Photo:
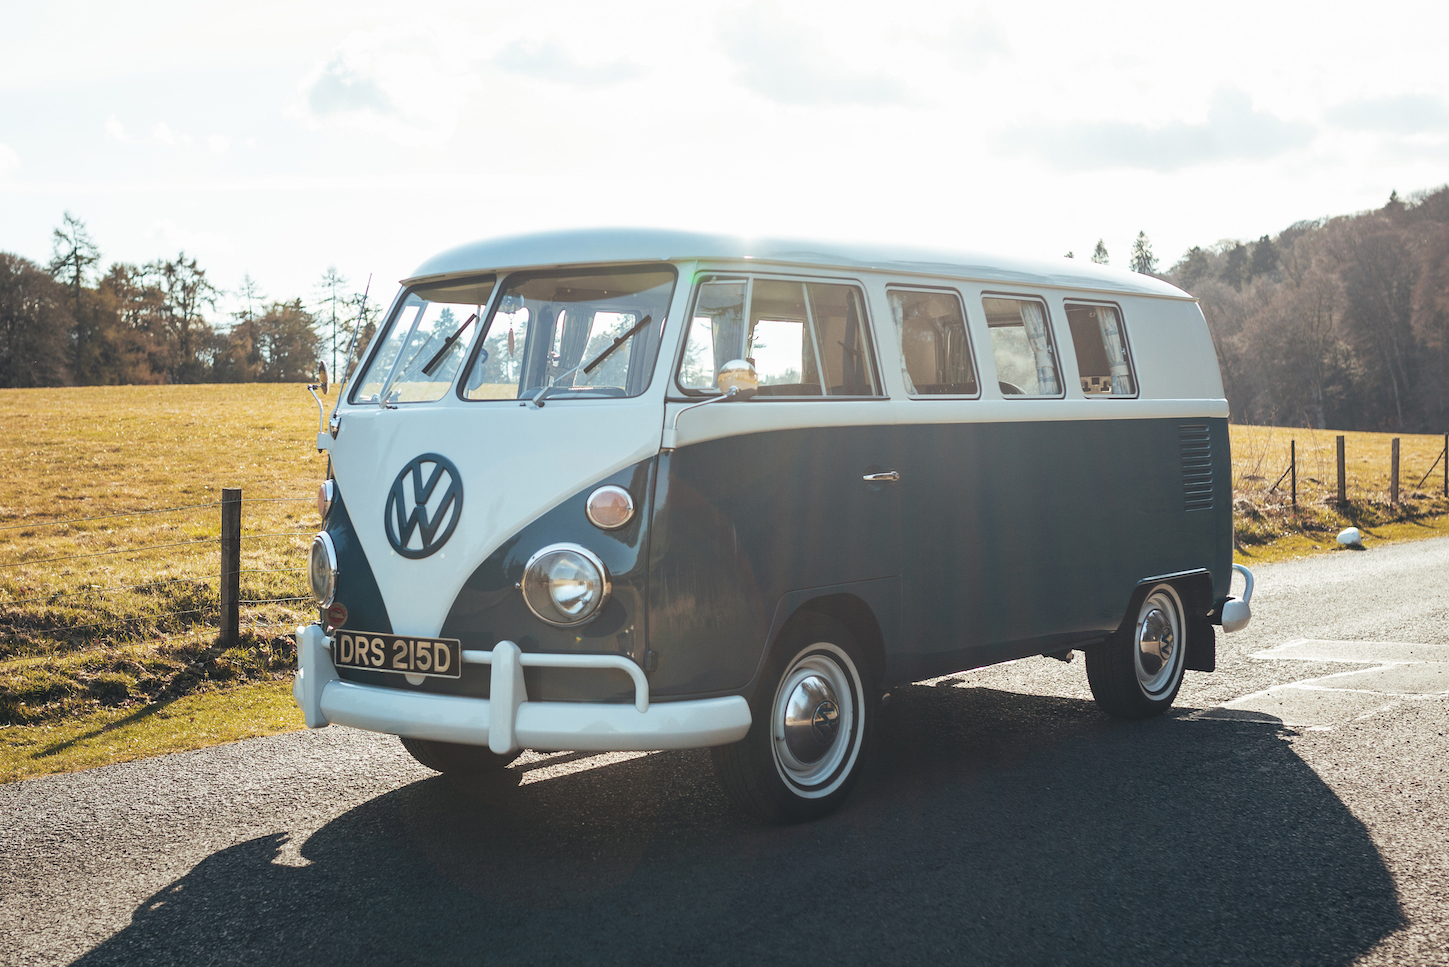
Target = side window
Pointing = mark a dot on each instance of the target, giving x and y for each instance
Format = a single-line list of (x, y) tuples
[(1101, 343), (935, 353), (1021, 344), (803, 338)]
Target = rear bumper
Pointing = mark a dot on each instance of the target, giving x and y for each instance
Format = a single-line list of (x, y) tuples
[(508, 720)]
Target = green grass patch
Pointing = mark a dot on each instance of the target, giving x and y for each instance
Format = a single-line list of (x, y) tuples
[(1289, 546), (107, 735)]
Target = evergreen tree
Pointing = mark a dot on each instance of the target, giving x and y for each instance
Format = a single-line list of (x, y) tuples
[(1265, 259), (1235, 266), (1099, 254), (1143, 260), (1193, 268), (331, 285)]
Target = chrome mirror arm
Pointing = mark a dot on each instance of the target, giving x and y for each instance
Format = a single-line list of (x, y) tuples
[(733, 393), (321, 409)]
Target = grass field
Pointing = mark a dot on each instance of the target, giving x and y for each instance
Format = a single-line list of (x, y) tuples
[(1267, 526), (114, 626), (108, 620)]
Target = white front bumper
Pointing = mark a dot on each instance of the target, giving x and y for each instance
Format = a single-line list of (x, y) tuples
[(508, 720)]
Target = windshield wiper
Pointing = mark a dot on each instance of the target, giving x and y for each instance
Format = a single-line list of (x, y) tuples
[(447, 345), (538, 400)]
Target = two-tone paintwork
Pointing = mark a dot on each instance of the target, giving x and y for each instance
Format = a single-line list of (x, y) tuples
[(1017, 526)]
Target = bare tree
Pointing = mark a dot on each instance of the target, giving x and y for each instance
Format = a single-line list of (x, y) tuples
[(185, 291), (33, 323), (72, 255), (333, 285)]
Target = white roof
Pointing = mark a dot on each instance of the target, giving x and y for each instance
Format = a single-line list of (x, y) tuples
[(621, 245)]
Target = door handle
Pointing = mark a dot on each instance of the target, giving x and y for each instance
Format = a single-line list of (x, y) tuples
[(887, 476)]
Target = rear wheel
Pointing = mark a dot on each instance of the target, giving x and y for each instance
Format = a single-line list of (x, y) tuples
[(813, 716), (1136, 674), (464, 761)]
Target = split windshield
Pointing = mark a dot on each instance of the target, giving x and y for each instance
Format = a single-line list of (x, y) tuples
[(408, 362), (547, 324), (524, 338)]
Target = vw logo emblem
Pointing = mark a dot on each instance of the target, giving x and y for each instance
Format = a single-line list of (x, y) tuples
[(424, 506), (825, 720)]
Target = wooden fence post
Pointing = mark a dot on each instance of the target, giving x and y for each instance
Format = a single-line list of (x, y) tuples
[(1293, 467), (1446, 465), (231, 512), (1342, 482), (1394, 475)]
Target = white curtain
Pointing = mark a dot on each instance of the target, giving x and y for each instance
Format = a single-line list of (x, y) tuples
[(1041, 348), (1116, 352), (898, 311)]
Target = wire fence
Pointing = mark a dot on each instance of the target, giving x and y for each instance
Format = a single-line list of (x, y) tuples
[(16, 620)]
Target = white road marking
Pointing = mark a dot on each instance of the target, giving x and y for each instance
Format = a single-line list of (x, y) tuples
[(1403, 672), (1365, 652)]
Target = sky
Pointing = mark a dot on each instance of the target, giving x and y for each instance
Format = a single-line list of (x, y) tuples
[(279, 139)]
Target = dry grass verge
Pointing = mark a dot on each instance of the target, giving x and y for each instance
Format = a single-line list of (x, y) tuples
[(104, 610), (1268, 526), (108, 735), (108, 623)]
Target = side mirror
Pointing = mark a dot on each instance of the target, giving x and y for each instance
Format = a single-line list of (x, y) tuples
[(738, 380)]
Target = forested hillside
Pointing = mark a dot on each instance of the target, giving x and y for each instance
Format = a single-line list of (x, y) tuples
[(1337, 323), (70, 322)]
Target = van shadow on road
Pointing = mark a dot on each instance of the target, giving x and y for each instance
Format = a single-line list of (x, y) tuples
[(992, 828)]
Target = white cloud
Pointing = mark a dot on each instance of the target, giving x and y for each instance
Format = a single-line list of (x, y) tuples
[(551, 62), (162, 133), (971, 43), (1233, 131), (787, 63), (9, 160), (218, 143), (1403, 114), (339, 88), (396, 81), (167, 237), (117, 130)]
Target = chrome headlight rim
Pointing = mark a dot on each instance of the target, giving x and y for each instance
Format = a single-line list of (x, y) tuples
[(605, 583), (323, 540), (613, 490), (326, 497)]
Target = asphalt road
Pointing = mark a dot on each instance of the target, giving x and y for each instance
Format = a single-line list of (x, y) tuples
[(1003, 820)]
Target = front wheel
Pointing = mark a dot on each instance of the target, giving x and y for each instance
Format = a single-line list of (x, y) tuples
[(813, 716), (1136, 675), (462, 761)]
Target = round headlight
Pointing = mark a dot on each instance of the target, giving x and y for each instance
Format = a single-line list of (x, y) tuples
[(610, 507), (565, 584), (322, 569)]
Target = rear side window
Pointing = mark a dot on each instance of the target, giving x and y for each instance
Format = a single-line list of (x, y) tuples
[(935, 353), (1103, 362), (1021, 344), (803, 338)]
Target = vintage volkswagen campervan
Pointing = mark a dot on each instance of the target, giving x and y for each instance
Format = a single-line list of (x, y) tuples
[(629, 490)]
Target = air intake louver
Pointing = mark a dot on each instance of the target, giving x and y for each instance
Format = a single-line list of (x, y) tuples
[(1197, 467)]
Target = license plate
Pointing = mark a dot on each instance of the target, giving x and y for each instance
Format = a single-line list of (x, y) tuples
[(433, 657)]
